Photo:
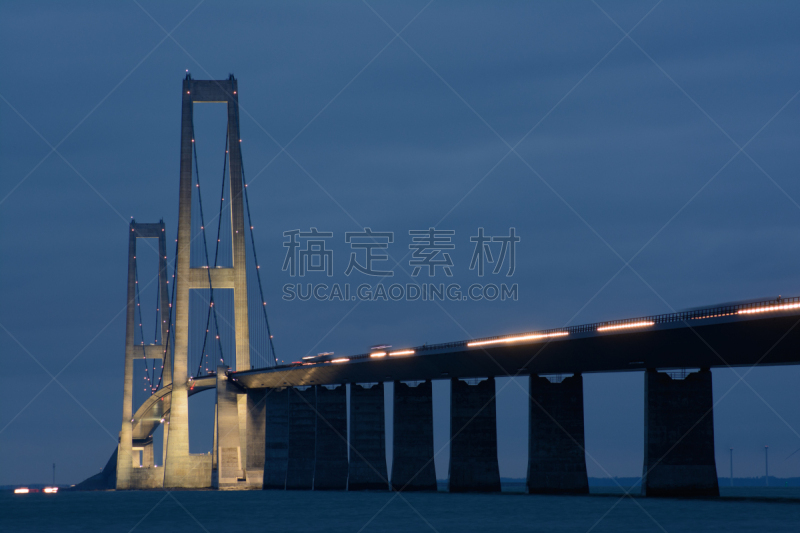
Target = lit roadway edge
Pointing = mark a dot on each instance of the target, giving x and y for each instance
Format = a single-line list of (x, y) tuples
[(760, 333)]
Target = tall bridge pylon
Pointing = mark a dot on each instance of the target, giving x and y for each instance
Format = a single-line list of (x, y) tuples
[(170, 388), (182, 469)]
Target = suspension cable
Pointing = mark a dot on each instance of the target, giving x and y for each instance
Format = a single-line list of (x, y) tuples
[(169, 317), (205, 250), (204, 356), (158, 310), (258, 272), (222, 199), (203, 353), (141, 329)]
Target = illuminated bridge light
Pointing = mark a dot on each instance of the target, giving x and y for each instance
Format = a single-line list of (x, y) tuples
[(641, 324), (50, 490), (341, 360), (520, 338), (402, 352), (22, 490), (782, 307), (712, 316), (378, 354)]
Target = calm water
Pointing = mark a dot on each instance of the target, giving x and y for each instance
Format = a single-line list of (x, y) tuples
[(212, 511)]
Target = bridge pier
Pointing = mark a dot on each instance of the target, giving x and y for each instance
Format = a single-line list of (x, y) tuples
[(147, 455), (183, 470), (679, 436), (330, 468), (165, 438), (556, 456), (144, 474), (302, 434), (229, 452), (473, 437), (256, 426), (215, 445), (367, 469), (142, 455), (412, 452), (276, 438)]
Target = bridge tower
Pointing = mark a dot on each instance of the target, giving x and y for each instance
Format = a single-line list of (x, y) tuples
[(182, 469), (127, 477)]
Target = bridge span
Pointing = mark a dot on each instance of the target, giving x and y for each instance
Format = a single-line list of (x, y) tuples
[(761, 333), (679, 430), (319, 424)]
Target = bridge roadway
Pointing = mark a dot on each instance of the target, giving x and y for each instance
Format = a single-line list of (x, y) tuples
[(150, 414), (738, 335), (293, 438)]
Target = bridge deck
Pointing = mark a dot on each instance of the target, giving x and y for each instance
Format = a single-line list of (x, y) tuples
[(149, 415), (763, 333)]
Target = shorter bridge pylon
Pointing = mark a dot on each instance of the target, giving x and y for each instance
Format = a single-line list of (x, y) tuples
[(137, 435)]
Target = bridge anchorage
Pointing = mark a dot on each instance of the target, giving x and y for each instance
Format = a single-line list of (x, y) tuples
[(288, 426)]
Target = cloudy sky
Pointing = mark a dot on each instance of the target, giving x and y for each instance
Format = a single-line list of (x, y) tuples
[(660, 133)]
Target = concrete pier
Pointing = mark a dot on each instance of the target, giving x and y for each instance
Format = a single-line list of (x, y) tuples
[(230, 471), (302, 436), (679, 436), (144, 474), (256, 427), (473, 437), (367, 439), (215, 445), (330, 468), (276, 438), (412, 452), (147, 455), (556, 456)]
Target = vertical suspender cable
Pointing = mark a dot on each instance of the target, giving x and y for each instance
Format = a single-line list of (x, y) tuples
[(141, 330), (166, 342), (158, 310), (222, 201), (205, 250)]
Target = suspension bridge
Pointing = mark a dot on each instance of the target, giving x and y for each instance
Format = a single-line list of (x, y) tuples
[(287, 426)]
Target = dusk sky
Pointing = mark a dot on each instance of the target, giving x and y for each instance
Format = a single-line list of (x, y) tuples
[(674, 148)]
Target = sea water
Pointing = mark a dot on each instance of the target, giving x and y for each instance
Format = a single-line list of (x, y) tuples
[(739, 510)]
